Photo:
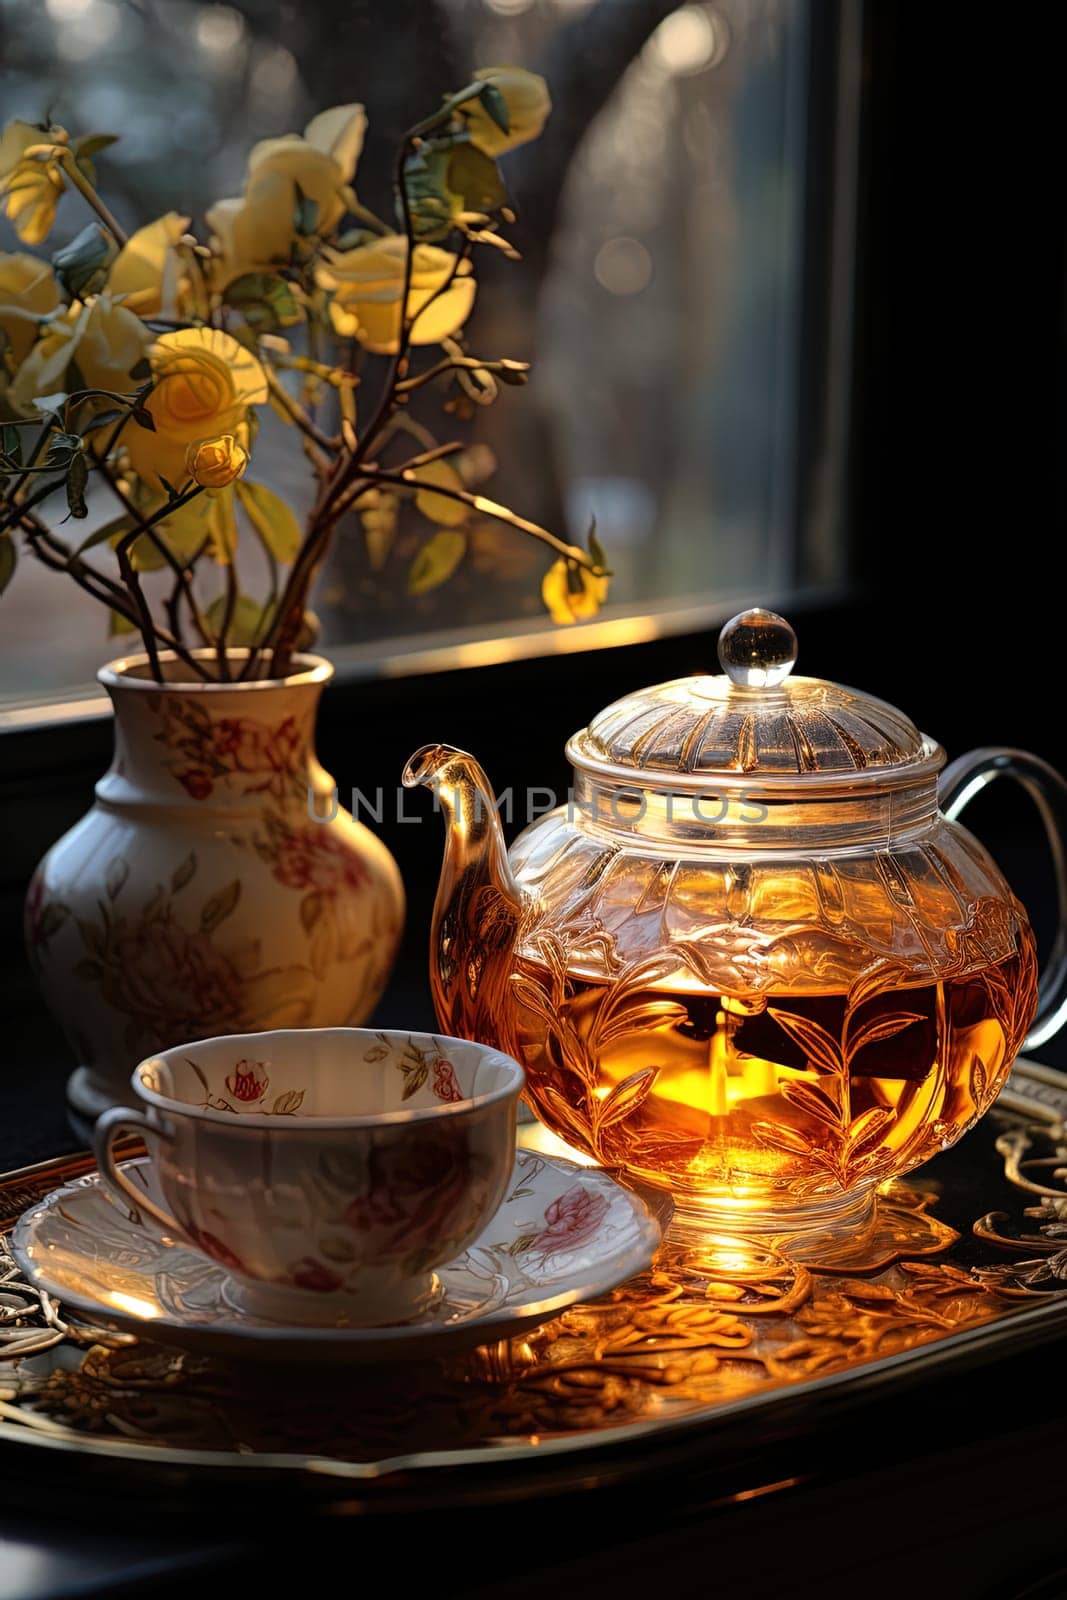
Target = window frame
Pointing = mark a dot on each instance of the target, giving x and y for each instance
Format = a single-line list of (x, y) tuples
[(816, 489)]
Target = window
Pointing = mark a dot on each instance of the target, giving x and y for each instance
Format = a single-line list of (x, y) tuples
[(667, 221)]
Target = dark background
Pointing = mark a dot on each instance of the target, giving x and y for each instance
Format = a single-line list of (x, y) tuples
[(955, 510), (957, 522)]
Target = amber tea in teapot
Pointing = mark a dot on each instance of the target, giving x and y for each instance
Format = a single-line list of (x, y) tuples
[(752, 961), (724, 1096)]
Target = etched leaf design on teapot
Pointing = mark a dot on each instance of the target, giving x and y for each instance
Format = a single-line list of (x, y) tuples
[(845, 1154), (807, 1087)]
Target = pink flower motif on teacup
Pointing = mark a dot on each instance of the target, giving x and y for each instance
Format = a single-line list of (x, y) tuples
[(245, 1082), (573, 1219), (209, 1245), (415, 1184), (445, 1086), (311, 1274)]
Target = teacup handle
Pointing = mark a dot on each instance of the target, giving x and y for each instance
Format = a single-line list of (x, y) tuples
[(965, 778), (108, 1125)]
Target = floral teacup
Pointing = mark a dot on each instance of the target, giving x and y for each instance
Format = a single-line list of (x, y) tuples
[(329, 1170)]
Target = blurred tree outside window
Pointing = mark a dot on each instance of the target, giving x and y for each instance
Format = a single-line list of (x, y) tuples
[(661, 223)]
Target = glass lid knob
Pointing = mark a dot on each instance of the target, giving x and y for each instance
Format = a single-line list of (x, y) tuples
[(757, 649)]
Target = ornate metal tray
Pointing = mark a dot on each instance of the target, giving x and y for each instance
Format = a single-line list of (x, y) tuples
[(973, 1263)]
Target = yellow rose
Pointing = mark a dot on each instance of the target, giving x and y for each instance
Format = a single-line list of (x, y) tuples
[(259, 229), (204, 384), (148, 269), (30, 189), (527, 99), (113, 342), (216, 463), (571, 593), (107, 340), (367, 286), (28, 290)]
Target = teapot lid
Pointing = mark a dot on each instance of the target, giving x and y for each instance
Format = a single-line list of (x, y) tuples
[(754, 721)]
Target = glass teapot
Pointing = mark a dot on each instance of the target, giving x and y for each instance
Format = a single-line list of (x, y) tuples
[(751, 960)]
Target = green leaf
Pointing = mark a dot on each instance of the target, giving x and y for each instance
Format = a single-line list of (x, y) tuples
[(431, 204), (80, 262), (437, 560), (220, 906), (143, 418), (475, 177), (596, 549), (109, 530), (246, 624), (378, 512), (495, 106), (353, 237), (117, 624), (93, 143), (264, 300), (272, 519), (105, 419), (222, 526), (77, 478), (305, 213), (8, 560), (143, 369), (289, 1103)]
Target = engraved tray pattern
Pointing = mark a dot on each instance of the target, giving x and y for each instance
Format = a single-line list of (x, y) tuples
[(982, 1238)]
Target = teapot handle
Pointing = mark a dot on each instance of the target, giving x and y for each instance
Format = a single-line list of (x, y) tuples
[(965, 778)]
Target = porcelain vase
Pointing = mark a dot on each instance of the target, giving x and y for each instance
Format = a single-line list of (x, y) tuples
[(215, 886)]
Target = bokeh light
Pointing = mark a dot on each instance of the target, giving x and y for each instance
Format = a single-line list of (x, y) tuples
[(690, 40), (219, 29), (64, 10), (85, 31), (623, 266), (275, 72)]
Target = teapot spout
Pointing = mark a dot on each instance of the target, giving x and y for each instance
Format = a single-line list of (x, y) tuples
[(478, 907)]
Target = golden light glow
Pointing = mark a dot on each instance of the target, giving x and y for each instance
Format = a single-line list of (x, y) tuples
[(535, 1136), (727, 1255), (134, 1305)]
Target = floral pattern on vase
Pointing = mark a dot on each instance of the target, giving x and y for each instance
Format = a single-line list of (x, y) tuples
[(198, 897), (256, 757), (176, 981), (305, 858)]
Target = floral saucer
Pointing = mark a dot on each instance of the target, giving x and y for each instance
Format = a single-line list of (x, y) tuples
[(563, 1233)]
